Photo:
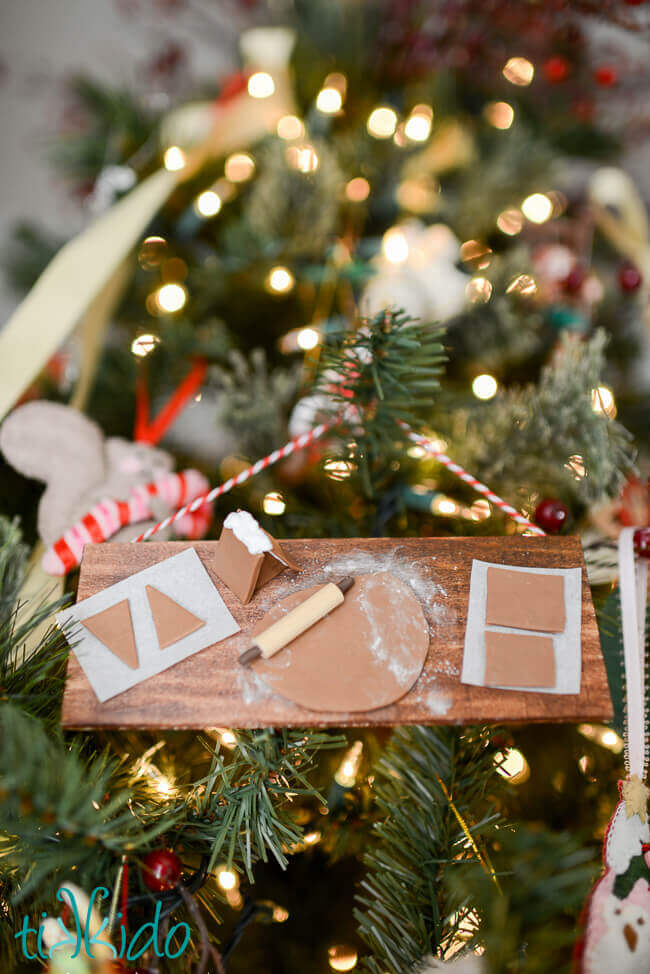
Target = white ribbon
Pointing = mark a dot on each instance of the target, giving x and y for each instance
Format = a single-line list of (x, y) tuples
[(633, 583)]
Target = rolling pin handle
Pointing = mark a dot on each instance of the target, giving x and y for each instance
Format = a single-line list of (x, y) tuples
[(345, 583), (254, 652)]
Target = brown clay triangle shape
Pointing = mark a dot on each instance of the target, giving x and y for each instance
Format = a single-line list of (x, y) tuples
[(114, 628), (172, 621)]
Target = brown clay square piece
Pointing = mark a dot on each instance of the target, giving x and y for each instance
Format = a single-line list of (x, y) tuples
[(525, 600), (519, 660)]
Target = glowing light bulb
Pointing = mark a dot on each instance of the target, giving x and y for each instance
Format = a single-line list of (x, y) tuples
[(499, 114), (342, 958), (307, 339), (518, 71), (164, 786), (523, 284), (537, 208), (358, 189), (290, 127), (479, 290), (338, 469), (174, 158), (152, 252), (227, 738), (303, 158), (261, 85), (418, 124), (395, 246), (144, 344), (274, 504), (280, 280), (602, 401), (171, 298), (239, 167), (329, 101), (510, 222), (511, 764), (208, 203), (485, 386), (445, 505), (226, 878), (382, 122), (280, 914), (346, 775), (312, 838)]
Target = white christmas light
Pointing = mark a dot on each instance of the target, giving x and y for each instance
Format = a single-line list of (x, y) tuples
[(208, 203), (484, 386), (358, 189), (226, 878), (143, 344), (418, 124), (382, 122), (307, 339), (261, 85), (312, 838), (395, 246), (171, 297), (290, 127), (303, 158), (174, 158), (499, 114), (510, 222), (280, 280), (513, 766), (342, 958), (479, 290), (227, 738), (274, 504), (329, 101), (346, 774), (239, 167), (537, 208), (602, 401), (519, 71)]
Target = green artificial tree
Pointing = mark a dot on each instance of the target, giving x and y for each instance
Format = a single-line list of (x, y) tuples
[(398, 848)]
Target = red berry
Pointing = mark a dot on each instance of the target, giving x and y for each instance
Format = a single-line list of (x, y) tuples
[(641, 539), (629, 278), (556, 69), (606, 76), (574, 279), (161, 869), (551, 515)]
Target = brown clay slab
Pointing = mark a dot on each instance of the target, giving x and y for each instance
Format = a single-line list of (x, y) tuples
[(205, 690), (524, 600), (519, 660)]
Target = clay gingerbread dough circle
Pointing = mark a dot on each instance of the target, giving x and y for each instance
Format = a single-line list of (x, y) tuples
[(365, 654)]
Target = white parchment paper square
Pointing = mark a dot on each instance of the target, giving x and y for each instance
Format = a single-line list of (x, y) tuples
[(566, 644), (184, 579)]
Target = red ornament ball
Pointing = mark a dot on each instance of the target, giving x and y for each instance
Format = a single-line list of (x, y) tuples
[(551, 515), (641, 540), (574, 279), (556, 69), (606, 76), (629, 278), (161, 870)]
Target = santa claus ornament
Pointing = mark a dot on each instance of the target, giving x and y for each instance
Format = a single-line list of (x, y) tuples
[(617, 924)]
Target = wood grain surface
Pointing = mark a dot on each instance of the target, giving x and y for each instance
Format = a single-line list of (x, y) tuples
[(209, 688)]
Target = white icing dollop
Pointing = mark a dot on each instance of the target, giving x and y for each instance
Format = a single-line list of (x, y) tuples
[(247, 530)]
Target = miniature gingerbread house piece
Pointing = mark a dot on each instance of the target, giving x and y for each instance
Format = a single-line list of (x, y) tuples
[(247, 557)]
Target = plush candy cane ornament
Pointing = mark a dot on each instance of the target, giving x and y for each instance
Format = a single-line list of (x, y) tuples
[(108, 516), (617, 928)]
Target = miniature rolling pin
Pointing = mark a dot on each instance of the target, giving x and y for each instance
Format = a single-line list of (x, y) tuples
[(285, 630)]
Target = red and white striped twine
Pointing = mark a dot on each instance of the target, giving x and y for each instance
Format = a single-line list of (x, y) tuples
[(298, 443), (479, 487)]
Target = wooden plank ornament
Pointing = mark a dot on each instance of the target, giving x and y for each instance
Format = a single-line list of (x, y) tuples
[(210, 689)]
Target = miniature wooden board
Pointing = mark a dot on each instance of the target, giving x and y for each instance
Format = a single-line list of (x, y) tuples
[(205, 690)]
